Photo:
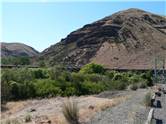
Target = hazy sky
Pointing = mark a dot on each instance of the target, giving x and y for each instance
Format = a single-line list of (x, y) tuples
[(41, 24)]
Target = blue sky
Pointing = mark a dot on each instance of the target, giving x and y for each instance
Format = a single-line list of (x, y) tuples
[(41, 24)]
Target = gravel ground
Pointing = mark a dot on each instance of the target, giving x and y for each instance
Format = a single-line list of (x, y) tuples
[(160, 109), (132, 111)]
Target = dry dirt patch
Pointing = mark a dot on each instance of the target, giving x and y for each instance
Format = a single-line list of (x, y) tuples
[(51, 108)]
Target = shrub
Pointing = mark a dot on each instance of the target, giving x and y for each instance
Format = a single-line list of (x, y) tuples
[(135, 79), (78, 77), (148, 76), (94, 77), (42, 63), (23, 74), (8, 75), (92, 68), (22, 90), (119, 85), (65, 76), (5, 88), (70, 111), (70, 91), (142, 85), (45, 88), (55, 72), (133, 86), (91, 88), (147, 99), (39, 74), (110, 74), (120, 77)]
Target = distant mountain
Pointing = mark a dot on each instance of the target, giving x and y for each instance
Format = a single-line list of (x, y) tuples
[(17, 49), (127, 39)]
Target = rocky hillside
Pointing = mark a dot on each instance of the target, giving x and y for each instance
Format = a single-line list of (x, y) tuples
[(17, 49), (127, 39)]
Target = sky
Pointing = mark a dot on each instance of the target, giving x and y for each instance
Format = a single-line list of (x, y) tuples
[(44, 23)]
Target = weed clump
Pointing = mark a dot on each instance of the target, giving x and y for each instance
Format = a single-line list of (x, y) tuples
[(70, 111), (147, 99)]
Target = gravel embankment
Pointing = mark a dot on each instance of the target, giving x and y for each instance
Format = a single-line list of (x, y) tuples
[(132, 111)]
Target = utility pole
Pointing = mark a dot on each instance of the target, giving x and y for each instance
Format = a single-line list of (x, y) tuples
[(155, 70)]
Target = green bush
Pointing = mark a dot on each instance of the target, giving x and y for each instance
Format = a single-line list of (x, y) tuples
[(119, 85), (70, 91), (5, 88), (65, 76), (148, 76), (45, 88), (78, 77), (92, 88), (23, 74), (92, 68), (39, 74), (55, 72), (17, 83), (42, 63), (94, 77), (110, 74), (22, 90), (135, 79), (120, 81)]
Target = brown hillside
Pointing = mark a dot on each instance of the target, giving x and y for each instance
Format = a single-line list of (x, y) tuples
[(17, 49), (126, 39)]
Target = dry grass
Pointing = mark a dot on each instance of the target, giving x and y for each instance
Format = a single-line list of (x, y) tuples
[(70, 111), (11, 121), (147, 99), (28, 118)]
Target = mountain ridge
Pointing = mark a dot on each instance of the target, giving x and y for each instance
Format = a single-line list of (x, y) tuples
[(17, 49)]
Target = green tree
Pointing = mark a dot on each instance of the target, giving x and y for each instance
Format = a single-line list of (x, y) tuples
[(92, 68)]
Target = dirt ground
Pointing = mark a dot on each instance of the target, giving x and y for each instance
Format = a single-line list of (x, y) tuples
[(47, 111)]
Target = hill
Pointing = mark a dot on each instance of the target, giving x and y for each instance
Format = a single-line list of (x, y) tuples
[(127, 39), (17, 49)]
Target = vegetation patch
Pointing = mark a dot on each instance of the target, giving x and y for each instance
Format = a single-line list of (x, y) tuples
[(24, 83)]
